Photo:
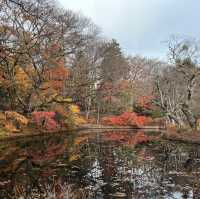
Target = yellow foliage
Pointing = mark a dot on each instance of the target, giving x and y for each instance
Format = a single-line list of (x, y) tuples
[(63, 100), (79, 120), (67, 99), (3, 132), (2, 117), (81, 139), (74, 109), (16, 116), (74, 115), (8, 121), (74, 157), (22, 80)]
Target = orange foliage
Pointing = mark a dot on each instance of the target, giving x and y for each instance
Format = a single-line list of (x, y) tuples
[(17, 117), (58, 73), (74, 157), (9, 126), (80, 139), (127, 118), (12, 121), (56, 77)]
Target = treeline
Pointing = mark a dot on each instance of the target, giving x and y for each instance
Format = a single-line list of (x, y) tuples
[(50, 56)]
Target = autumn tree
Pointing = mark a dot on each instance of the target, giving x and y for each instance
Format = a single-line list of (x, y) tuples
[(36, 36), (24, 29), (113, 73)]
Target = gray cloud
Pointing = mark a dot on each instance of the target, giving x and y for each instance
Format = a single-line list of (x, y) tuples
[(141, 26)]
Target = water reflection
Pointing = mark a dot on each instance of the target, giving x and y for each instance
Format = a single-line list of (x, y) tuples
[(98, 166)]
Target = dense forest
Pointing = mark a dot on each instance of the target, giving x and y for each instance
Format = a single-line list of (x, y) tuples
[(57, 70)]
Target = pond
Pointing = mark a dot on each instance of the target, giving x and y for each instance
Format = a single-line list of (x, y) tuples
[(98, 165)]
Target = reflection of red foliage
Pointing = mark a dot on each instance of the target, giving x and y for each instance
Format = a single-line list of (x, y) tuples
[(115, 136), (45, 119), (128, 138), (140, 138), (51, 152), (127, 118)]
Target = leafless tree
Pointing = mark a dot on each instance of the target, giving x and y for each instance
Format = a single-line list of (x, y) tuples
[(178, 85), (142, 73)]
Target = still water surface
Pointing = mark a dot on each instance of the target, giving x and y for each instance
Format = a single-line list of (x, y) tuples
[(94, 165)]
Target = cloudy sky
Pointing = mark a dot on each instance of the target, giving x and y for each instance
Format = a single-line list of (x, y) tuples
[(142, 26)]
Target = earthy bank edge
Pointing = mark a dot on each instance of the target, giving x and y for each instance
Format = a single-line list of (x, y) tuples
[(37, 132), (191, 137), (188, 137)]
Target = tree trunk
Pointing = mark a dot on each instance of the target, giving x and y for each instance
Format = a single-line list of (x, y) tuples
[(98, 114), (190, 117)]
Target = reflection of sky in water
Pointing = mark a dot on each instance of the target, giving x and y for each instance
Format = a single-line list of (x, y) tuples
[(179, 195), (95, 171), (145, 177)]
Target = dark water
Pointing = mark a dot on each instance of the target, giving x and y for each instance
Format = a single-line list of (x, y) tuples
[(98, 165)]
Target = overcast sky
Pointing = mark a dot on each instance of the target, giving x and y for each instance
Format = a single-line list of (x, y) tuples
[(142, 26)]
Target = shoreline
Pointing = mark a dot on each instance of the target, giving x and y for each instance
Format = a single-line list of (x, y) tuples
[(186, 137), (87, 127)]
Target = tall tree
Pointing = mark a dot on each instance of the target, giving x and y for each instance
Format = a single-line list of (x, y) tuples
[(35, 36), (178, 85)]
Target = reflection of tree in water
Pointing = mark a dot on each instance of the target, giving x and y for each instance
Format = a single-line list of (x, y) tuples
[(93, 167), (35, 166)]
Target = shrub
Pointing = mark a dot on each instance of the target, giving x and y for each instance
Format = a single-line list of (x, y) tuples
[(14, 116), (45, 119), (12, 121), (59, 118), (127, 118), (73, 117)]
